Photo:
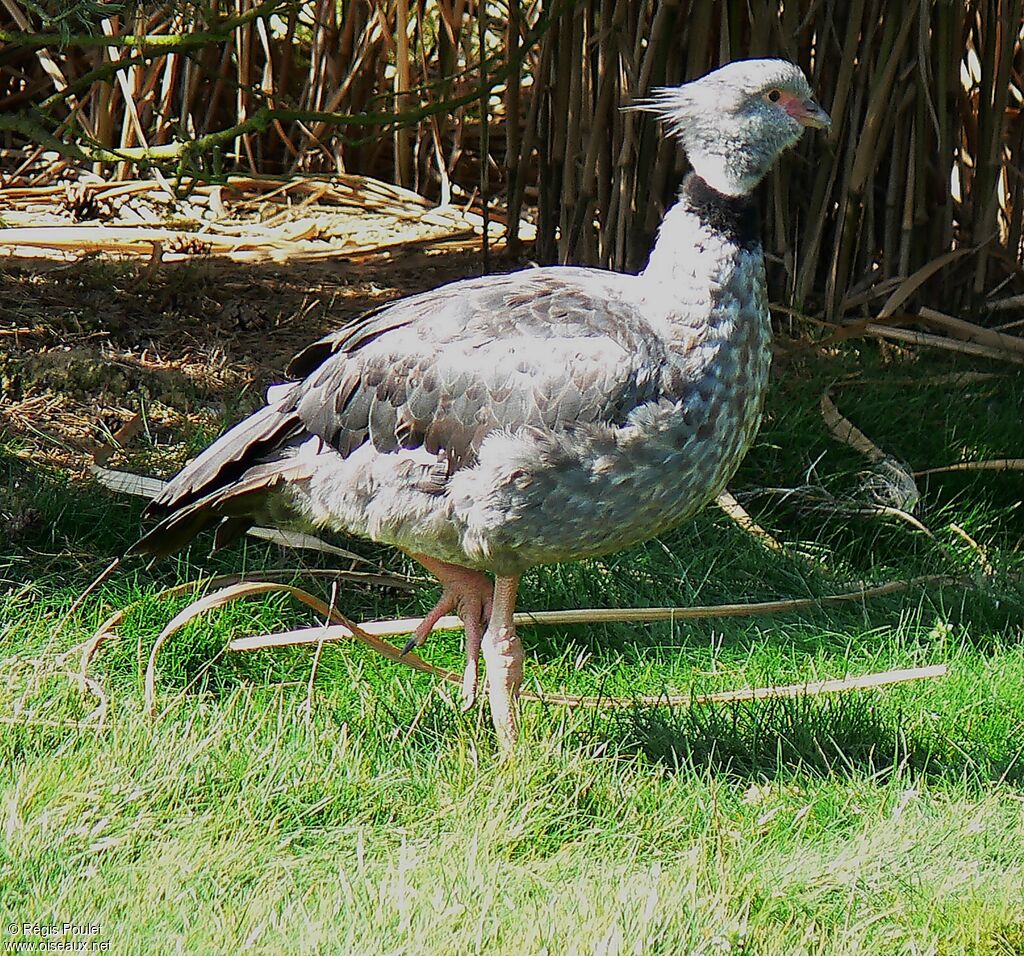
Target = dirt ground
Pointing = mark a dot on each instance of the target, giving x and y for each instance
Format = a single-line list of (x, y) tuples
[(87, 346), (129, 302)]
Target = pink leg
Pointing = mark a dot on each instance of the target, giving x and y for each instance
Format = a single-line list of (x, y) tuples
[(468, 593), (503, 652)]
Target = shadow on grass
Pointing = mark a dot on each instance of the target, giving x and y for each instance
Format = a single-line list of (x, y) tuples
[(50, 524), (849, 736)]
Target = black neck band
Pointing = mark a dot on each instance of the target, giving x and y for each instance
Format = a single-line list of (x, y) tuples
[(735, 218)]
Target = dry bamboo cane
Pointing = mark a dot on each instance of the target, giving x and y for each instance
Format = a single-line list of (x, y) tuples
[(924, 102), (402, 139), (513, 88), (485, 128)]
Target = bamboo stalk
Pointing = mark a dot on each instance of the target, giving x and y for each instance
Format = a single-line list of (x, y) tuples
[(403, 150), (994, 464), (513, 95), (485, 132), (971, 332), (942, 342), (926, 145)]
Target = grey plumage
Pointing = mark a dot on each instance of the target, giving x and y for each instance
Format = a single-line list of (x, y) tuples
[(546, 352), (500, 423)]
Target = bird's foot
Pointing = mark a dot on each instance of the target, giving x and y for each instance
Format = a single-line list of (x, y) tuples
[(503, 653), (419, 637), (471, 675), (469, 594)]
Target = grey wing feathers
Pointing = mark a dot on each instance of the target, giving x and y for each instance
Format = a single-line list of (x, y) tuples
[(442, 370), (445, 302), (231, 505), (551, 348), (224, 485), (228, 457)]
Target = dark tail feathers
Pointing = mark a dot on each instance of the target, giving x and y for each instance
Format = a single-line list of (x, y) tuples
[(225, 485)]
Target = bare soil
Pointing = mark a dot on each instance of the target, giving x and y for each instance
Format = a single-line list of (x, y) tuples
[(87, 346)]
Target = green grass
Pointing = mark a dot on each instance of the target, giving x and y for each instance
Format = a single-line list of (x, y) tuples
[(376, 818)]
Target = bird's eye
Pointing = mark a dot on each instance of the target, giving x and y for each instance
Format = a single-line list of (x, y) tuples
[(774, 95)]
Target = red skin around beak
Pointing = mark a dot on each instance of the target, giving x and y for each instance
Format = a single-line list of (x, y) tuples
[(806, 112)]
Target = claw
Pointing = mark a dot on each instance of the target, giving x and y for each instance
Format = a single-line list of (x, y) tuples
[(470, 594), (469, 686), (410, 646)]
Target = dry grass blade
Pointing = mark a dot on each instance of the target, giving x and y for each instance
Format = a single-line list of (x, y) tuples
[(88, 649), (368, 634), (913, 282), (993, 464), (889, 484), (220, 598), (887, 511), (371, 634), (143, 486), (305, 542), (635, 615), (942, 342), (97, 581), (311, 683), (119, 439), (320, 636), (971, 332), (982, 555), (848, 433), (99, 715), (126, 483), (1014, 302), (52, 724), (809, 689), (739, 514)]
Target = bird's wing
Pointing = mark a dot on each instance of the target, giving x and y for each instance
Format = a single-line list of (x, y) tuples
[(555, 349), (550, 348)]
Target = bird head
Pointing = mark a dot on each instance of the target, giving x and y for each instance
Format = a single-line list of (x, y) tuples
[(735, 122)]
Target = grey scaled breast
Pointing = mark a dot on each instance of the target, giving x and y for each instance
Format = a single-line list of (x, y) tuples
[(497, 424)]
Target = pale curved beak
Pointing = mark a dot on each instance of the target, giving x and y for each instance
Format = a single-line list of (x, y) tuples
[(808, 113)]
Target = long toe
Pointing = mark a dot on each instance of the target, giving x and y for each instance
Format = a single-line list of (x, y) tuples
[(444, 606), (471, 676), (466, 592), (503, 653)]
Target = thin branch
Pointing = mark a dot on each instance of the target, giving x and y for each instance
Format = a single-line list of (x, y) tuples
[(150, 43)]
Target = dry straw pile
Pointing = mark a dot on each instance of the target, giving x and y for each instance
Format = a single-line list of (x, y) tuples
[(514, 106)]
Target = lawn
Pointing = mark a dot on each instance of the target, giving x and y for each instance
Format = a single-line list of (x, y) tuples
[(361, 813)]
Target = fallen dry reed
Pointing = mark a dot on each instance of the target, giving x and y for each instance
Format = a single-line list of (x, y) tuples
[(371, 634), (512, 105)]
